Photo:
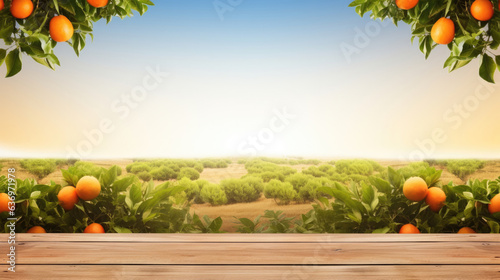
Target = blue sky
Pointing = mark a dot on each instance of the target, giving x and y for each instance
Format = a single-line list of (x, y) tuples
[(228, 77)]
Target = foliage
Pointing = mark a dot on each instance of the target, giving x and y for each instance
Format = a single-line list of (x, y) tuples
[(473, 39), (163, 173), (213, 194), (465, 167), (282, 193), (277, 222), (215, 163), (145, 176), (357, 166), (39, 167), (124, 205), (31, 35), (240, 190), (188, 172), (191, 188)]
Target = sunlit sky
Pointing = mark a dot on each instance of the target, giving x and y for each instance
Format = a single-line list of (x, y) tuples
[(229, 75)]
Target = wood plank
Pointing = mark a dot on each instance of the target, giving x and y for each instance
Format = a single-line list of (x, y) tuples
[(429, 272), (255, 253), (259, 238)]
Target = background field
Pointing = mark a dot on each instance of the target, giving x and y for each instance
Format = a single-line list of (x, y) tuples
[(490, 171)]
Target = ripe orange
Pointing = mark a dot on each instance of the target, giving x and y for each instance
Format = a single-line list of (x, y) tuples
[(466, 230), (98, 3), (4, 202), (36, 229), (443, 31), (482, 10), (67, 197), (88, 188), (409, 228), (21, 8), (415, 189), (406, 4), (1, 5), (94, 228), (435, 199), (61, 29), (494, 205)]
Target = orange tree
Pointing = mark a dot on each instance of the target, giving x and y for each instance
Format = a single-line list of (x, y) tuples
[(469, 28), (34, 27)]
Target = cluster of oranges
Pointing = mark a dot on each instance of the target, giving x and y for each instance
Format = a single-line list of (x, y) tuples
[(60, 27), (87, 188), (416, 189), (443, 31)]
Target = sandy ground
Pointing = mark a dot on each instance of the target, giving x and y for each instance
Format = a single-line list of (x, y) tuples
[(247, 210)]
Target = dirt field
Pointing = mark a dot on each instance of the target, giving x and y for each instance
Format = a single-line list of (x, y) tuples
[(245, 210)]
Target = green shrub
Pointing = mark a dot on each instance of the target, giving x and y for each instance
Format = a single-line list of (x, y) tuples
[(282, 193), (239, 190), (138, 168), (215, 163), (39, 167), (201, 184), (298, 180), (413, 169), (358, 178), (464, 168), (309, 161), (341, 178), (198, 166), (254, 182), (145, 176), (188, 172), (309, 191), (213, 194), (191, 188), (357, 166), (163, 173), (268, 176)]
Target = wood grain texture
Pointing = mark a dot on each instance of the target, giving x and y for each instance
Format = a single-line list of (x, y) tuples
[(428, 272), (253, 256), (248, 238)]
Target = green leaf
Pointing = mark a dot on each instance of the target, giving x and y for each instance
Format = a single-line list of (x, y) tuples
[(135, 194), (487, 68), (382, 230), (14, 63), (3, 54), (122, 230), (494, 226), (215, 225)]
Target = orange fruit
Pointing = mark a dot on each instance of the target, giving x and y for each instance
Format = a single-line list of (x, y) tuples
[(88, 188), (67, 197), (494, 205), (61, 29), (415, 189), (406, 4), (4, 202), (482, 10), (409, 228), (21, 8), (98, 3), (435, 199), (466, 230), (1, 5), (94, 228), (36, 229), (443, 31)]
